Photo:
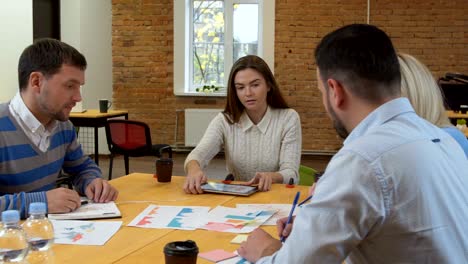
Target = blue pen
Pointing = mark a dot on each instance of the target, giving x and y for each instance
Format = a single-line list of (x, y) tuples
[(291, 213), (305, 201)]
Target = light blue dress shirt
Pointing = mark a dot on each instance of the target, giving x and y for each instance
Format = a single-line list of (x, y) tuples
[(459, 137), (395, 193)]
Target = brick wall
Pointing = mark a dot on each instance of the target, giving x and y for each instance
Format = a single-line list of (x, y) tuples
[(299, 27), (142, 48), (436, 32)]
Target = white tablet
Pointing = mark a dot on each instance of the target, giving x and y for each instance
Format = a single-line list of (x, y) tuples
[(234, 189)]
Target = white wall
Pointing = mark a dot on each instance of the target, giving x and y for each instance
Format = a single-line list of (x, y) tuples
[(87, 25), (16, 33), (70, 22)]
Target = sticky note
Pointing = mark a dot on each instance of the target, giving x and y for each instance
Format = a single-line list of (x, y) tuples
[(234, 260), (217, 255), (239, 239)]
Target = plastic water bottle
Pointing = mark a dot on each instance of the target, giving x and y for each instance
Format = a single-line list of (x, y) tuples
[(40, 234), (13, 241)]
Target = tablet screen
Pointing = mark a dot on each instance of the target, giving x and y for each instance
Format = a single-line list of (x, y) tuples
[(228, 188)]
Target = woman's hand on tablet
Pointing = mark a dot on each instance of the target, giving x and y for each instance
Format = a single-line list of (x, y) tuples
[(195, 178), (265, 179)]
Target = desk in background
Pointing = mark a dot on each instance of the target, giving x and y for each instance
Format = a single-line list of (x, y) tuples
[(453, 115), (94, 118), (145, 245)]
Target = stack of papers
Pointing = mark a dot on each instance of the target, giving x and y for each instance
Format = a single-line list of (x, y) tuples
[(174, 217), (222, 219), (282, 210), (236, 220)]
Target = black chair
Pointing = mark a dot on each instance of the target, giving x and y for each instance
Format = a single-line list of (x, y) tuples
[(131, 139)]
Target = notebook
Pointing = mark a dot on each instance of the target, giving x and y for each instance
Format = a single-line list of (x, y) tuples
[(90, 211)]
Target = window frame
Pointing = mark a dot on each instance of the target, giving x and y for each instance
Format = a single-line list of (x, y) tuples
[(182, 34)]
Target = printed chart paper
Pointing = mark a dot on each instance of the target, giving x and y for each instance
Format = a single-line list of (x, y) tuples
[(173, 217), (235, 220), (282, 210), (84, 232)]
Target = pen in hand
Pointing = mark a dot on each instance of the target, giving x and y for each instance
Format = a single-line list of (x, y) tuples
[(291, 214), (305, 201), (84, 200)]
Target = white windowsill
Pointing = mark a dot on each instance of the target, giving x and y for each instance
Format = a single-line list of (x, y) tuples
[(200, 94)]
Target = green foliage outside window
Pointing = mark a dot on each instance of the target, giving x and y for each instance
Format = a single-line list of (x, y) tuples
[(209, 41)]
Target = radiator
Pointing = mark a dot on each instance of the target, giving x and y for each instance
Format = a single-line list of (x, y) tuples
[(196, 122)]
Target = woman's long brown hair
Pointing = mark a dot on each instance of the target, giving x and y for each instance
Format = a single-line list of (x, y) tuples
[(234, 107)]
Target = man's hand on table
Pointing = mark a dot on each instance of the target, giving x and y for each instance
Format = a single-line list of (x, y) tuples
[(259, 244), (62, 200), (100, 191)]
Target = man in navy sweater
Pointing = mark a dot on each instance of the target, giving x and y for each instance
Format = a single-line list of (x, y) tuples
[(37, 140)]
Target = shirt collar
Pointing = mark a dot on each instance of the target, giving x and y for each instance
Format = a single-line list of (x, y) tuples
[(28, 119), (246, 123), (380, 116)]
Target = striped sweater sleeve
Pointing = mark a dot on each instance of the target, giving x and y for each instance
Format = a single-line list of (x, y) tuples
[(20, 201)]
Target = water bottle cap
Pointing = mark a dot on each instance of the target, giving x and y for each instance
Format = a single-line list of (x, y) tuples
[(10, 216), (37, 208)]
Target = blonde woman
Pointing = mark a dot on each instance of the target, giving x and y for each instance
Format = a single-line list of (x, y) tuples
[(419, 86)]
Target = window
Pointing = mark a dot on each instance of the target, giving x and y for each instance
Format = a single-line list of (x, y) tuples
[(210, 35)]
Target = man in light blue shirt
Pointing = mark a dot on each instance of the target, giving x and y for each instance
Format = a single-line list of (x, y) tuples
[(397, 190)]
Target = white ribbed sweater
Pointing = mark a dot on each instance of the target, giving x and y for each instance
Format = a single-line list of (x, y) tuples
[(273, 145)]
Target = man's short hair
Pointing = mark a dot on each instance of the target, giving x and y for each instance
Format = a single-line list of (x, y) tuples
[(362, 57), (47, 56)]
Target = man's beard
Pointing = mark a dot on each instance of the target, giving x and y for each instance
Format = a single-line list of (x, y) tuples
[(54, 115), (337, 124)]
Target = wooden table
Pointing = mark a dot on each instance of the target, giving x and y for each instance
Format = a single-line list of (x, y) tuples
[(94, 118), (144, 245)]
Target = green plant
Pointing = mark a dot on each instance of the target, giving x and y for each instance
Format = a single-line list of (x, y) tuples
[(461, 122), (208, 89)]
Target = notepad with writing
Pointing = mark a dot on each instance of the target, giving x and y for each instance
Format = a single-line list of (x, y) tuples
[(90, 211)]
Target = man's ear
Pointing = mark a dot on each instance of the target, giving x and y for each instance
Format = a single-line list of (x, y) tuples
[(336, 92), (35, 81)]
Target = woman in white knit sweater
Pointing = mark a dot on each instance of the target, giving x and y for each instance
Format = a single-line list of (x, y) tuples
[(260, 134)]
